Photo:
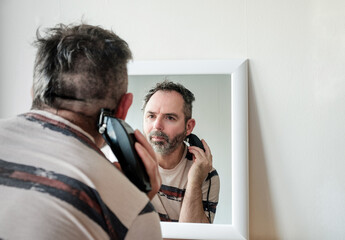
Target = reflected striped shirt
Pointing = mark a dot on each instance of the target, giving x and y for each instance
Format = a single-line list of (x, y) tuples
[(168, 200)]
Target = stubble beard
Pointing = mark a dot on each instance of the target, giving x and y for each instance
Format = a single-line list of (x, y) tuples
[(168, 145)]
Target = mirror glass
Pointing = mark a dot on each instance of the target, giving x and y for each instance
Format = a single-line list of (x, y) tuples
[(221, 113), (212, 112)]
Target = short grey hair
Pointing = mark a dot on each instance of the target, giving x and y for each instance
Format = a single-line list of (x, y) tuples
[(187, 95), (80, 65)]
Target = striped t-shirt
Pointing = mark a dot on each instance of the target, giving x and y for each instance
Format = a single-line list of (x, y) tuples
[(169, 199), (56, 184)]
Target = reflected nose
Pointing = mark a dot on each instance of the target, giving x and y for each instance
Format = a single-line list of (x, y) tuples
[(158, 124)]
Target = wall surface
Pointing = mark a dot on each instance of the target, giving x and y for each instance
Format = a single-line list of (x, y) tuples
[(296, 52)]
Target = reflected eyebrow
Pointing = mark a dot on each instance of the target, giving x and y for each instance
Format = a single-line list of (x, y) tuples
[(171, 115), (165, 114), (150, 112)]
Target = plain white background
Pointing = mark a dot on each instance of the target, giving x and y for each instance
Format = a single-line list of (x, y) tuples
[(296, 52)]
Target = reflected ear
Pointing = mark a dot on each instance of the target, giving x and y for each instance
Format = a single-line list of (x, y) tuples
[(190, 126), (123, 106)]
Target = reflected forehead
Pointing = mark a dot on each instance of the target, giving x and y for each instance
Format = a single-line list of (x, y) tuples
[(167, 102)]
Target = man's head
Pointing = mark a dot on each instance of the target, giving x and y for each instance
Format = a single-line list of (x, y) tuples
[(80, 68), (168, 116), (167, 86)]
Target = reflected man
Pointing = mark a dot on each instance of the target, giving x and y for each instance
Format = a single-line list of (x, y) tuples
[(190, 188)]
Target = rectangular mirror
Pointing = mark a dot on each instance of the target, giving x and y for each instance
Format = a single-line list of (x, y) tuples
[(212, 112), (230, 81)]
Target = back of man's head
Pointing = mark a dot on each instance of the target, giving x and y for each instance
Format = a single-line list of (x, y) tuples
[(80, 68)]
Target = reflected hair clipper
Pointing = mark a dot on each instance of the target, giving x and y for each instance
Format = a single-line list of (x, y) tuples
[(193, 140)]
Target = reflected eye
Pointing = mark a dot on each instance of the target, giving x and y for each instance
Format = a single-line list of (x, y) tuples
[(171, 118), (150, 116)]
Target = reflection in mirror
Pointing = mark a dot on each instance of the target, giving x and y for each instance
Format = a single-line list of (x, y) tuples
[(212, 112), (237, 73)]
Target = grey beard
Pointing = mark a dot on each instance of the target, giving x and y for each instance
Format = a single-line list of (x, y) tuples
[(168, 146)]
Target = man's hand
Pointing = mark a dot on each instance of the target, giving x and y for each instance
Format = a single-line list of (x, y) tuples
[(146, 153), (202, 164), (192, 208)]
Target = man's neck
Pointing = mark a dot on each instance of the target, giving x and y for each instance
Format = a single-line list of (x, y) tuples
[(170, 161), (85, 123)]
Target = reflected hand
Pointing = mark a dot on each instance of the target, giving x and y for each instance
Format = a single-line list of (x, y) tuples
[(202, 164), (148, 157)]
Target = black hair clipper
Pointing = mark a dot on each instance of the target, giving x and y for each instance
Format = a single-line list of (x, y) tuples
[(120, 138), (193, 140)]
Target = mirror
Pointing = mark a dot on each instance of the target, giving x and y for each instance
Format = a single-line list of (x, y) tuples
[(226, 80), (211, 110)]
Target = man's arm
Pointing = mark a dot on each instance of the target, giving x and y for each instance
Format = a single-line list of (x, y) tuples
[(192, 208)]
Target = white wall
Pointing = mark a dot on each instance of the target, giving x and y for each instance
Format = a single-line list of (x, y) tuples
[(297, 114), (296, 52)]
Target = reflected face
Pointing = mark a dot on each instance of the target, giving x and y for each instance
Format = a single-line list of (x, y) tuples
[(164, 121)]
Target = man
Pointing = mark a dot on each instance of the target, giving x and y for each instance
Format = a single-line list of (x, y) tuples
[(190, 188), (55, 182)]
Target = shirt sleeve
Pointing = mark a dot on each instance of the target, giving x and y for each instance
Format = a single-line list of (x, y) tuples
[(210, 192), (145, 226)]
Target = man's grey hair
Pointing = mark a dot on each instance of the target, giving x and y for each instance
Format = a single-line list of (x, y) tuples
[(80, 68), (168, 86)]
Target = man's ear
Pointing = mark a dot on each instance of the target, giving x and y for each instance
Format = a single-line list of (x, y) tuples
[(123, 106), (190, 126)]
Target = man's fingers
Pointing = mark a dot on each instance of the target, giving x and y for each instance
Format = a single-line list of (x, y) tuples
[(199, 153), (117, 165), (148, 157), (202, 159), (142, 140), (151, 167), (196, 151), (207, 148)]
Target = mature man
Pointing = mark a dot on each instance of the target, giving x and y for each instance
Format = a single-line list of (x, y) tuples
[(55, 182), (190, 188)]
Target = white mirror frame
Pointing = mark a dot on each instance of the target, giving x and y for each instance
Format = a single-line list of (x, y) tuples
[(237, 68)]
